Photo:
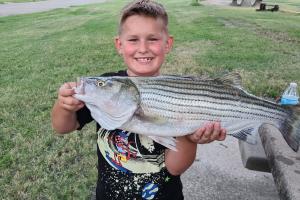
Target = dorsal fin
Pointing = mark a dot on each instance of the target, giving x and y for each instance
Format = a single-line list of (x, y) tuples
[(232, 79)]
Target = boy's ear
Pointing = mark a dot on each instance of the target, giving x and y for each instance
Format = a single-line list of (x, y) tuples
[(169, 44), (118, 44)]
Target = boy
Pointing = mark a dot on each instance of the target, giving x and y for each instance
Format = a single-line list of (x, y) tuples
[(131, 166)]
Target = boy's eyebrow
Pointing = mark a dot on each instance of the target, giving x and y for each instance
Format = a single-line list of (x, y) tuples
[(128, 36), (155, 35), (150, 35)]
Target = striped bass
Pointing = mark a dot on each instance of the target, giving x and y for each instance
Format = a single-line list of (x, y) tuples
[(164, 107)]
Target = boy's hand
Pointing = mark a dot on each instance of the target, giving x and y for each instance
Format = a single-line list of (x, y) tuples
[(208, 133), (66, 99)]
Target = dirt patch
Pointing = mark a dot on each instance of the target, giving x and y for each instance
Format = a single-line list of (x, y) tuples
[(276, 36), (236, 23), (183, 59)]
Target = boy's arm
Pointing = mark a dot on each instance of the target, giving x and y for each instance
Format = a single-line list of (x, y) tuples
[(179, 161), (63, 114)]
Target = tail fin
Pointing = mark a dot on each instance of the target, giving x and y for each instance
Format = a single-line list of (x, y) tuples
[(291, 128)]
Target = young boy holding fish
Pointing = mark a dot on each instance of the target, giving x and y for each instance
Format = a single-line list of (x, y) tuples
[(132, 166)]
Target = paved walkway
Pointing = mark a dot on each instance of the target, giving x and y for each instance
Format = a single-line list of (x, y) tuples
[(41, 6), (218, 174)]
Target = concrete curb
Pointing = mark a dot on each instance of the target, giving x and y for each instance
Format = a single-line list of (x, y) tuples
[(284, 162)]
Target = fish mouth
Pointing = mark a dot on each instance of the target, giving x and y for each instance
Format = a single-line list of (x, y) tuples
[(144, 60)]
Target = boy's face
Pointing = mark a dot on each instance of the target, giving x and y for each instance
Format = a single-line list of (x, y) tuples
[(143, 43)]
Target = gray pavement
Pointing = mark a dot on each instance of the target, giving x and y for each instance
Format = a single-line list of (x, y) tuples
[(218, 173), (40, 6)]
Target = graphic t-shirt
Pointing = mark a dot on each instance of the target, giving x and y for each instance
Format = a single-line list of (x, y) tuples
[(131, 166)]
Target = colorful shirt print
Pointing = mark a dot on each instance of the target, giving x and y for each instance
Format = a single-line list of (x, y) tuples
[(130, 153)]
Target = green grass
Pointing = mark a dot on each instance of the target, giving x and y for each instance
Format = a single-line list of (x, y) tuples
[(41, 51)]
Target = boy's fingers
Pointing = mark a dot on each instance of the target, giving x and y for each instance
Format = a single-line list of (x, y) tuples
[(216, 131), (72, 84), (208, 131), (66, 90), (72, 106), (198, 134), (71, 101), (222, 135), (68, 107)]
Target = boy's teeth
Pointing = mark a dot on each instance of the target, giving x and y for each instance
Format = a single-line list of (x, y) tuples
[(144, 59)]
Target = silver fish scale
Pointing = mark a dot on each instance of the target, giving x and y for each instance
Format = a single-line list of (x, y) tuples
[(190, 99)]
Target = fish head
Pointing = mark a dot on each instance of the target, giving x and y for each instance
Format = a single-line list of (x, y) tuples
[(112, 100)]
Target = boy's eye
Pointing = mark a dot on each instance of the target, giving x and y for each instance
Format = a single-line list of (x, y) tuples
[(153, 39), (132, 40)]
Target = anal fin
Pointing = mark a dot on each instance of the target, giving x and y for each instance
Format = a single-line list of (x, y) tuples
[(168, 142), (248, 135)]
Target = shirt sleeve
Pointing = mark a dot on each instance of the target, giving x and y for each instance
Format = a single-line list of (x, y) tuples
[(83, 117)]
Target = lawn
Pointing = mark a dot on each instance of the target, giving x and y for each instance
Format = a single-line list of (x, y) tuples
[(41, 51)]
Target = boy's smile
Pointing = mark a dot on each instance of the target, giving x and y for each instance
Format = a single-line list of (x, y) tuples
[(143, 43), (143, 60)]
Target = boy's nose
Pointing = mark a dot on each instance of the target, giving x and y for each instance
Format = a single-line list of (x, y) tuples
[(143, 47)]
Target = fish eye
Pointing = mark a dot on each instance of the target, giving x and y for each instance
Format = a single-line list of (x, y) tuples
[(100, 83)]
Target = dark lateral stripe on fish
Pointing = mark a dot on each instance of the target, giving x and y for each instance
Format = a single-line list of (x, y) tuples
[(214, 94), (245, 115), (208, 86), (214, 100), (197, 115), (244, 112), (184, 83), (193, 89), (191, 96)]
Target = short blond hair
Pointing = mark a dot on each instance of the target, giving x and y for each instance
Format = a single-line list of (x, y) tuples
[(146, 8)]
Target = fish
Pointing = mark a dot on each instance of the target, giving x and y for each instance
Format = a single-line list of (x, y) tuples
[(168, 106)]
